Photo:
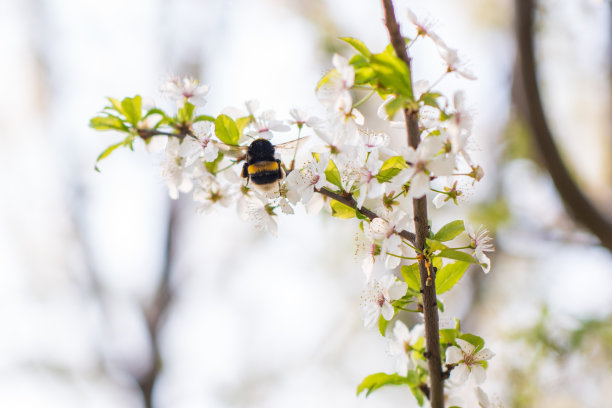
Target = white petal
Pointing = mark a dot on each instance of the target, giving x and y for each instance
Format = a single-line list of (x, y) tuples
[(368, 266), (466, 347), (387, 311), (479, 374), (391, 262), (442, 165), (370, 314), (484, 261), (401, 364), (453, 355), (484, 354), (483, 398), (401, 332), (460, 374), (440, 200), (419, 185), (397, 290)]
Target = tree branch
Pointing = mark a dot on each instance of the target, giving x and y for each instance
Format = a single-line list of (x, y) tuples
[(576, 203), (155, 312), (350, 202), (430, 304)]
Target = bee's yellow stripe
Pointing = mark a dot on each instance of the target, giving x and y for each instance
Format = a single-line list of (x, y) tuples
[(263, 166)]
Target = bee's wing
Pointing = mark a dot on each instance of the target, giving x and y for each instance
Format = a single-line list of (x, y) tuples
[(292, 144), (231, 150)]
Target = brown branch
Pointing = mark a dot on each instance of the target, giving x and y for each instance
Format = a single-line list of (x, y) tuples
[(430, 304), (576, 203), (350, 202), (155, 312)]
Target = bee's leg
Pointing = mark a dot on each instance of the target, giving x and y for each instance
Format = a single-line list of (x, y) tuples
[(245, 170)]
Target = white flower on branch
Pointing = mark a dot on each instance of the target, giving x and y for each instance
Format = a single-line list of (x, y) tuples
[(173, 169), (386, 229), (425, 161), (401, 345), (467, 361), (377, 297), (185, 90), (335, 92), (481, 243), (302, 183)]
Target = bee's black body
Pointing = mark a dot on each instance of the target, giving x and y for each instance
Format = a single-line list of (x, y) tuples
[(261, 167)]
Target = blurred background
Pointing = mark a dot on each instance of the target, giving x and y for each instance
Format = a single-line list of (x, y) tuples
[(111, 295)]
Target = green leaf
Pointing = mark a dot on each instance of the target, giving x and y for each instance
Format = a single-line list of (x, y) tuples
[(382, 325), (243, 123), (450, 231), (132, 109), (418, 394), (116, 104), (185, 114), (226, 130), (393, 73), (448, 276), (448, 336), (434, 245), (393, 106), (474, 340), (332, 174), (390, 168), (364, 75), (342, 211), (375, 381), (411, 276), (431, 99), (108, 123), (107, 153), (326, 78), (201, 118), (213, 166), (457, 255), (358, 45)]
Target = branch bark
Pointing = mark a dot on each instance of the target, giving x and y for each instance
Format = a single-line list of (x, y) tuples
[(576, 203), (350, 202), (430, 304)]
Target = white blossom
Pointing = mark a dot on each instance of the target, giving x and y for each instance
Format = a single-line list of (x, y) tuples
[(302, 183), (377, 297), (425, 161), (173, 169), (401, 344), (467, 361), (184, 90), (481, 243)]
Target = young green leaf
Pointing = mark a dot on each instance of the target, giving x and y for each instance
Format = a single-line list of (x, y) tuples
[(390, 168), (116, 104), (434, 245), (374, 381), (226, 130), (342, 211), (332, 174), (447, 336), (450, 231), (393, 73), (213, 166), (108, 123), (457, 255), (382, 325), (411, 275), (358, 45), (448, 276), (185, 114), (132, 109), (201, 118)]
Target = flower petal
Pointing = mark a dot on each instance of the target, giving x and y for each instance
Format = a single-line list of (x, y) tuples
[(460, 374), (466, 347), (453, 355), (479, 374), (484, 354)]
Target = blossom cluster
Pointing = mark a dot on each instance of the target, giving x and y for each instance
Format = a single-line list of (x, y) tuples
[(349, 169)]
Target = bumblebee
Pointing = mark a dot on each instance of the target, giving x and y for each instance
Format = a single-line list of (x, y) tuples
[(261, 166)]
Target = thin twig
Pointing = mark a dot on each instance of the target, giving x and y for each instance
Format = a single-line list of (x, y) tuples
[(577, 204), (350, 202), (430, 305)]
